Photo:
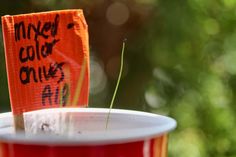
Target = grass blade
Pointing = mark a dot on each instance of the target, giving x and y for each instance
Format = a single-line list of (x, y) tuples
[(117, 84)]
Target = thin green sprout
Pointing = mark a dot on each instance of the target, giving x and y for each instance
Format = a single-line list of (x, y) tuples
[(117, 84)]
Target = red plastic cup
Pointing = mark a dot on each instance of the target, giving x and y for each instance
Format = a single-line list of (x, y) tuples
[(82, 132)]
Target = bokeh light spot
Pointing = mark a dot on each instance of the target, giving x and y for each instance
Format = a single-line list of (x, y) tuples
[(211, 26), (153, 99), (117, 13), (99, 79), (229, 3), (113, 68)]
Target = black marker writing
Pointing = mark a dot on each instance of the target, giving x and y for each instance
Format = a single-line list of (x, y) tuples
[(40, 74), (48, 94), (44, 36), (40, 30), (30, 53)]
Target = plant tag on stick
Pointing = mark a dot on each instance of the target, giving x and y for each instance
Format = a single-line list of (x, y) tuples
[(47, 60)]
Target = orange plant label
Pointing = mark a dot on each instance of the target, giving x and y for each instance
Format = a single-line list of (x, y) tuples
[(47, 60)]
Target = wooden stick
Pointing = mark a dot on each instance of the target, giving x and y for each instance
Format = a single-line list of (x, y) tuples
[(19, 123), (60, 95), (79, 84), (68, 79)]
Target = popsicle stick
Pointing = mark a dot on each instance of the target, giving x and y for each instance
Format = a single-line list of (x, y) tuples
[(19, 123), (68, 79), (61, 96), (79, 84)]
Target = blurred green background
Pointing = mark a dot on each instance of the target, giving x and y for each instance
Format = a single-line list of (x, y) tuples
[(180, 61)]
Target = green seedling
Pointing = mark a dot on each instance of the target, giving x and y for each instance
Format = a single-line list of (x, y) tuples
[(117, 84)]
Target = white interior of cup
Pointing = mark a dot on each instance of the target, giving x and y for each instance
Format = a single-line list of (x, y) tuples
[(85, 126)]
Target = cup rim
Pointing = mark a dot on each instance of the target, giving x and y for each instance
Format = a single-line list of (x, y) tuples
[(98, 138)]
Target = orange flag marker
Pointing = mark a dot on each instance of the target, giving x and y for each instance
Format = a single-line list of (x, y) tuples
[(47, 60)]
